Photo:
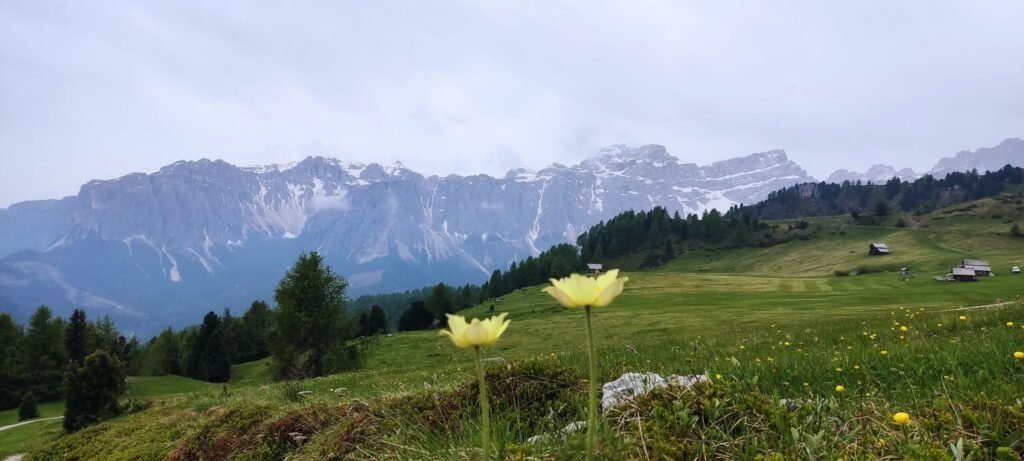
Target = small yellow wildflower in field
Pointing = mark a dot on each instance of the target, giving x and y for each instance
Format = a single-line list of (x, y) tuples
[(903, 328), (939, 325), (881, 442), (856, 367), (786, 344), (885, 352), (1009, 324), (840, 389), (718, 376), (901, 418), (963, 317), (1018, 355), (839, 370)]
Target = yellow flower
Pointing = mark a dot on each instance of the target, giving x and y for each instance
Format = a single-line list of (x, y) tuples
[(885, 352), (581, 291), (963, 317), (903, 328), (840, 389), (1018, 355), (901, 418), (475, 333), (1009, 324)]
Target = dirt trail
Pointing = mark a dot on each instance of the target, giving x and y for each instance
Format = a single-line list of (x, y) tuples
[(981, 306), (11, 426)]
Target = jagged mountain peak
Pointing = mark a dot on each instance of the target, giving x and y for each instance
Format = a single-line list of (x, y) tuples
[(1008, 152), (217, 234)]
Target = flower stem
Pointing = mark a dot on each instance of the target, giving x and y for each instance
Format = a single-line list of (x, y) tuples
[(592, 384), (485, 407)]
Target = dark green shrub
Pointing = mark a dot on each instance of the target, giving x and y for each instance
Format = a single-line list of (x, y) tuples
[(28, 408)]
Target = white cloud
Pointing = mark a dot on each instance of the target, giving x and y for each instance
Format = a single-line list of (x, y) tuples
[(95, 92)]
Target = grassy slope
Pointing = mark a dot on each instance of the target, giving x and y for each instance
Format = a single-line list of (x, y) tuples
[(23, 438), (708, 303)]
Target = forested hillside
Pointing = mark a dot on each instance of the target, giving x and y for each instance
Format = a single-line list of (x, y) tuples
[(920, 196)]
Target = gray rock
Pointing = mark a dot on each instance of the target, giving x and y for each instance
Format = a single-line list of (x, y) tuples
[(631, 385)]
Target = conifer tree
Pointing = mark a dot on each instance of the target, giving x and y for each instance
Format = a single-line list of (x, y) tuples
[(44, 354), (309, 319), (76, 337), (93, 390)]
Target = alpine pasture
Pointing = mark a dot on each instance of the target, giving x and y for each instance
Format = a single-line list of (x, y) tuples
[(804, 364)]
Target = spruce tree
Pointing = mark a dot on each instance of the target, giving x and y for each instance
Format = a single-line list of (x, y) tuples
[(440, 302), (11, 354), (28, 409), (256, 326), (76, 337), (416, 317), (44, 354), (377, 322), (93, 390), (168, 353), (309, 319)]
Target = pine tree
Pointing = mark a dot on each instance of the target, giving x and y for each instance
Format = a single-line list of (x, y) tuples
[(44, 354), (881, 209), (28, 409), (440, 302), (168, 353), (377, 321), (104, 334), (93, 390), (197, 358), (256, 325), (216, 357), (310, 311), (416, 317), (76, 337), (11, 354)]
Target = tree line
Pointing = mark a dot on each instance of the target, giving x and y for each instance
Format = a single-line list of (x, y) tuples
[(310, 333), (922, 195)]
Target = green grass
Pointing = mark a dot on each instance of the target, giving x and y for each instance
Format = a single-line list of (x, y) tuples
[(765, 323), (24, 438), (255, 372)]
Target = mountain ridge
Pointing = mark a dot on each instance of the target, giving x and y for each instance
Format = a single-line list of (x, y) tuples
[(204, 234), (201, 234)]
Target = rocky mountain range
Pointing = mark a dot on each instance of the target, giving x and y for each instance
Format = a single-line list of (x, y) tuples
[(161, 249), (1008, 152)]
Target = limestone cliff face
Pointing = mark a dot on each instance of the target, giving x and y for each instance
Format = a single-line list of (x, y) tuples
[(194, 236)]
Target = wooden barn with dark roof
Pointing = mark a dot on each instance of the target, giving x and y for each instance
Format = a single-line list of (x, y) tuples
[(878, 249)]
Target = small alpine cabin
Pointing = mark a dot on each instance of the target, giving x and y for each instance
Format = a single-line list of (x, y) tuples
[(878, 249), (961, 274), (980, 267)]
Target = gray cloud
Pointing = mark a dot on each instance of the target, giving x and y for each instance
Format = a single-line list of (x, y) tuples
[(98, 89)]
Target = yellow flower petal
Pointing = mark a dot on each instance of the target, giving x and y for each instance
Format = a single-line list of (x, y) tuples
[(580, 291)]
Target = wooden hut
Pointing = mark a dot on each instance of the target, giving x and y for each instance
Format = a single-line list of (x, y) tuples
[(981, 267), (962, 274), (878, 249)]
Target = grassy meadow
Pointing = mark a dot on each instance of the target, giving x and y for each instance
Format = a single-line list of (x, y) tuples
[(774, 329)]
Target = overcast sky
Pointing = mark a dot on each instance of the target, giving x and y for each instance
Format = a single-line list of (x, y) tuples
[(99, 89)]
